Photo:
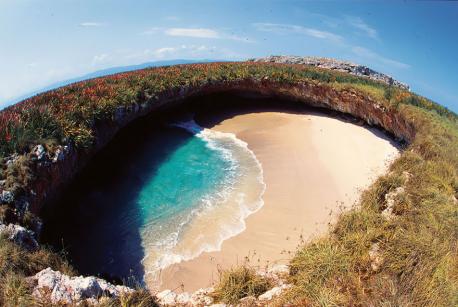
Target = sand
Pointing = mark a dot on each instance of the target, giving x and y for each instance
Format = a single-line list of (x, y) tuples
[(314, 166)]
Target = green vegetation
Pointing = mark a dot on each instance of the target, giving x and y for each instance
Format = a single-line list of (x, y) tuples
[(418, 242), (240, 282)]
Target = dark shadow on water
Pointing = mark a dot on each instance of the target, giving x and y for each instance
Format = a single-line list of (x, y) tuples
[(97, 220)]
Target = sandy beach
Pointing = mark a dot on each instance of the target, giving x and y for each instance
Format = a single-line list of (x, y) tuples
[(313, 166)]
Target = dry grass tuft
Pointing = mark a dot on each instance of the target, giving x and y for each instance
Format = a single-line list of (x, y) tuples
[(238, 283)]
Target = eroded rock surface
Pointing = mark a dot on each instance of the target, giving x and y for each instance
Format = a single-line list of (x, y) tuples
[(54, 287), (19, 235), (333, 64)]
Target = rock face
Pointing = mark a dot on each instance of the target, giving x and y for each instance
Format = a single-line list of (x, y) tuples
[(344, 66), (54, 287), (19, 235)]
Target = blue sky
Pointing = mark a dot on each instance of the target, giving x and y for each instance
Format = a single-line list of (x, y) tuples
[(42, 42)]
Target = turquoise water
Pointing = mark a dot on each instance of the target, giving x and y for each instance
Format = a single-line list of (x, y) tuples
[(193, 177), (154, 199)]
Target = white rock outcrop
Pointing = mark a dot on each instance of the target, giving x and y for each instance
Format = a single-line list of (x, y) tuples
[(272, 293), (20, 235), (333, 64), (376, 257), (54, 287), (390, 199)]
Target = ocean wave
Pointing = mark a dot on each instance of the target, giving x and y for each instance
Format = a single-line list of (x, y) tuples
[(230, 199)]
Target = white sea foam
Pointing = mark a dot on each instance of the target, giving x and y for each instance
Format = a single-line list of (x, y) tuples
[(242, 163)]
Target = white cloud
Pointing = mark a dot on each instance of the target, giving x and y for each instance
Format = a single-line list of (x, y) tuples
[(91, 24), (361, 25), (369, 54), (206, 33), (101, 58), (287, 29), (182, 52), (193, 32)]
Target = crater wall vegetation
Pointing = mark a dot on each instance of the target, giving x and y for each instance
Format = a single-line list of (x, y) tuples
[(397, 247)]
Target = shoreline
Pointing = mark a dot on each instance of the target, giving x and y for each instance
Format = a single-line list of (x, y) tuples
[(300, 164)]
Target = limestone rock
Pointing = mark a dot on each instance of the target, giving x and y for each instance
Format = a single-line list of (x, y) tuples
[(248, 301), (183, 298), (375, 257), (390, 199), (167, 297), (6, 197), (58, 155), (272, 293), (332, 64), (39, 152), (279, 269), (201, 297), (58, 288), (20, 235)]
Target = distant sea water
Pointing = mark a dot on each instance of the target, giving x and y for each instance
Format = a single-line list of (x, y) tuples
[(181, 192)]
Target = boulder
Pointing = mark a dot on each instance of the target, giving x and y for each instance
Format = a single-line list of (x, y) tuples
[(20, 235), (167, 297), (376, 257), (201, 297), (58, 155), (183, 298), (272, 293), (39, 152), (6, 197), (248, 301), (57, 288), (390, 199)]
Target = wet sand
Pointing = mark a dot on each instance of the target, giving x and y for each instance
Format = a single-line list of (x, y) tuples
[(314, 166)]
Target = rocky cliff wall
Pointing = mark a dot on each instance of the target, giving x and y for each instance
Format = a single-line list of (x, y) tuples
[(333, 64)]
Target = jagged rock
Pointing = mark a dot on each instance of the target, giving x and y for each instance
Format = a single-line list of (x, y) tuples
[(167, 297), (375, 257), (6, 197), (275, 273), (183, 298), (332, 64), (274, 292), (248, 301), (39, 152), (20, 235), (201, 297), (58, 155), (390, 201), (279, 269), (11, 159), (58, 288)]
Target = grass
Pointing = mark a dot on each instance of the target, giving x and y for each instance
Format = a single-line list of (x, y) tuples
[(240, 282), (418, 245)]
